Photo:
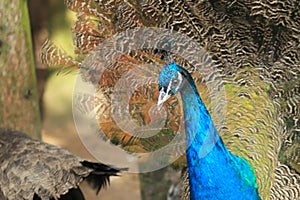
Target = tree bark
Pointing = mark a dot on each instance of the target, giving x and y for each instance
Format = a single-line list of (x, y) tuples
[(19, 108)]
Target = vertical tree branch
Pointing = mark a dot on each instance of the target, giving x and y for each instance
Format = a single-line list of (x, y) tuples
[(19, 107)]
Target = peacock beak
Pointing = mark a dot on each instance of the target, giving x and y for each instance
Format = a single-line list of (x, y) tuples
[(163, 96)]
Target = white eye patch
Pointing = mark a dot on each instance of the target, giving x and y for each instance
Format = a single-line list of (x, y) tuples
[(164, 95), (175, 82)]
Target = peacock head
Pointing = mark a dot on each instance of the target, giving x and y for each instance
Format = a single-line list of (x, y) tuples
[(171, 80)]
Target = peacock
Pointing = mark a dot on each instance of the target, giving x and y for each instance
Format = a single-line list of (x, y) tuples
[(254, 46), (214, 173), (31, 169)]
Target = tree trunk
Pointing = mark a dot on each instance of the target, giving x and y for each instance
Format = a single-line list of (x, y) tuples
[(19, 107)]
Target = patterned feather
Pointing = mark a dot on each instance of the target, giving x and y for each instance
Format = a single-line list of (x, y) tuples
[(254, 46), (53, 56), (31, 169)]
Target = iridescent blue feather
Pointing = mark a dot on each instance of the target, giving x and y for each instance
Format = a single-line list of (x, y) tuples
[(214, 173)]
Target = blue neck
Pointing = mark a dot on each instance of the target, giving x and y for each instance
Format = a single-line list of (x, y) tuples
[(214, 173)]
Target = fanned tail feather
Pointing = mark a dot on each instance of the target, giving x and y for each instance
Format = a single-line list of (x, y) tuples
[(51, 55)]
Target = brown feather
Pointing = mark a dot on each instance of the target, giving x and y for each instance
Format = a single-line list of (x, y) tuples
[(33, 168)]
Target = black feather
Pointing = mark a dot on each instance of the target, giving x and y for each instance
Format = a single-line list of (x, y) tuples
[(100, 176), (73, 194)]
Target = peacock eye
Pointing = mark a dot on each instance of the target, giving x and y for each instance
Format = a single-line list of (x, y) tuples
[(175, 82)]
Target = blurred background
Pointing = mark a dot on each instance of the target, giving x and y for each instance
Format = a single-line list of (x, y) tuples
[(50, 19)]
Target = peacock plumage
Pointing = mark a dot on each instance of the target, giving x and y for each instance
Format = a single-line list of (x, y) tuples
[(31, 169), (254, 46), (214, 173)]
